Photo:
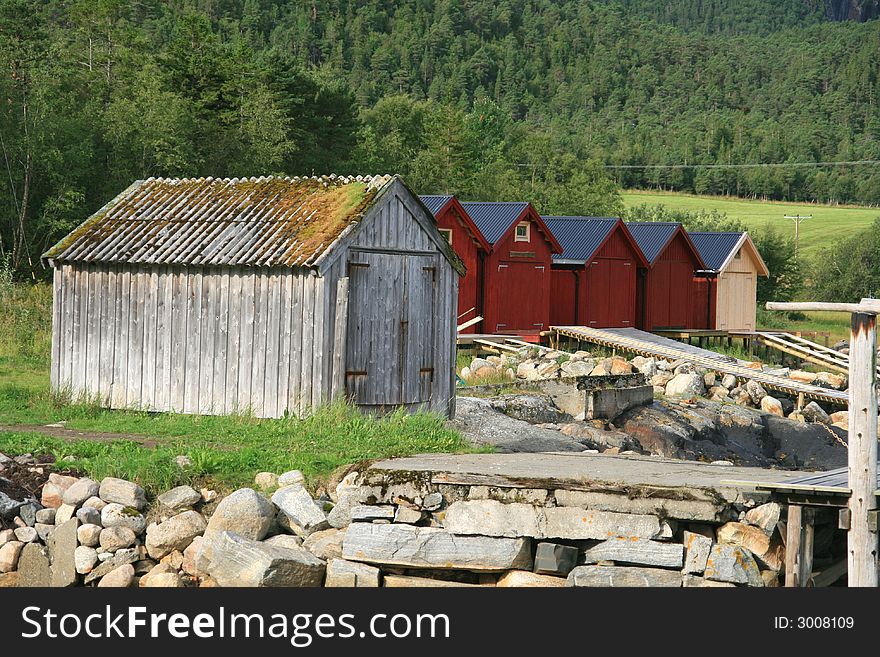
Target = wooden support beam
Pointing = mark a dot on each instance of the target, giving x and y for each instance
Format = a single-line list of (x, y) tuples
[(799, 546), (862, 461)]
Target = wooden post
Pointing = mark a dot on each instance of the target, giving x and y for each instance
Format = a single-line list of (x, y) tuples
[(862, 535), (799, 546)]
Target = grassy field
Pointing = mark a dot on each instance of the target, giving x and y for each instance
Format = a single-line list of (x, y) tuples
[(224, 452), (828, 222)]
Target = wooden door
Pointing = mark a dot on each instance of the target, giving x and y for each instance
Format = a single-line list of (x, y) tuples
[(611, 285), (389, 345), (521, 292)]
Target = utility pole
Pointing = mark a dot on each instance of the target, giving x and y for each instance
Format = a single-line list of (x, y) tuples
[(797, 219), (862, 436)]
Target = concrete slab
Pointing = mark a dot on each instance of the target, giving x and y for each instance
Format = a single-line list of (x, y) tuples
[(585, 471)]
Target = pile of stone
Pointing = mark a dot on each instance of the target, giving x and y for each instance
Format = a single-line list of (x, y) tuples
[(669, 378), (82, 531), (404, 531), (369, 532)]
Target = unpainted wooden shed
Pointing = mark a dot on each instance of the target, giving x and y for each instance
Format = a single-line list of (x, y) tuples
[(266, 295), (728, 297)]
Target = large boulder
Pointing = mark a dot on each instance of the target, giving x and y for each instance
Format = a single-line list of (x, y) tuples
[(52, 495), (237, 561), (686, 385), (62, 544), (246, 512), (176, 533), (298, 511)]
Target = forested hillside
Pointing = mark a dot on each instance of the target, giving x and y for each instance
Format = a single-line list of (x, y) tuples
[(510, 99)]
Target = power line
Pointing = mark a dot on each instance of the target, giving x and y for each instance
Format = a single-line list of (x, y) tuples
[(742, 166)]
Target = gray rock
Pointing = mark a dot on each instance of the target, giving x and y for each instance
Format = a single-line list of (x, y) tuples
[(88, 516), (364, 513), (686, 384), (33, 566), (245, 512), (623, 576), (755, 390), (432, 501), (85, 559), (697, 549), (407, 515), (28, 513), (95, 503), (26, 534), (62, 544), (342, 573), (237, 561), (179, 498), (176, 533), (285, 540), (44, 531), (117, 515), (425, 547), (731, 563), (79, 492), (728, 381), (326, 544), (126, 493), (116, 538), (114, 561), (119, 578), (290, 478), (89, 535), (694, 581), (8, 506), (340, 515), (638, 552), (765, 517), (298, 511), (45, 516), (815, 413), (555, 559)]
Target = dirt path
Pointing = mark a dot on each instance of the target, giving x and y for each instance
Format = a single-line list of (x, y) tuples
[(74, 434)]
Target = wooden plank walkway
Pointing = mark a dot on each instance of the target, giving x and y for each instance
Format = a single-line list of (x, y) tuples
[(649, 344)]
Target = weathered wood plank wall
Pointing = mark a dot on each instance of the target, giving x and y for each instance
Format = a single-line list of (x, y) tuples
[(212, 341)]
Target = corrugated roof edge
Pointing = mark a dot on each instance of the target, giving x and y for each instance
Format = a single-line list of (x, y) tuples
[(679, 229), (374, 182)]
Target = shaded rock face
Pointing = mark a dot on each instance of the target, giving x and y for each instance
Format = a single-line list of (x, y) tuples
[(712, 431), (535, 409), (482, 424)]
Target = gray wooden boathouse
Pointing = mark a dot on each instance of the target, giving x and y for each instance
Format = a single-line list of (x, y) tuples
[(265, 295)]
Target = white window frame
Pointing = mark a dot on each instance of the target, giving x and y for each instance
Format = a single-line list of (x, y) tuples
[(447, 234), (527, 237)]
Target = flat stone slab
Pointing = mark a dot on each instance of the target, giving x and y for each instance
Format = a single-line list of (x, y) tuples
[(623, 577), (584, 471), (428, 547), (638, 552), (493, 518)]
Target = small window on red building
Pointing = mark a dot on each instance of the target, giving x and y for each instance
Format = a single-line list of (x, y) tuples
[(447, 234), (522, 232)]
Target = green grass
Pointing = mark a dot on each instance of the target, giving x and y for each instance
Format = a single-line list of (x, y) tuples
[(225, 451), (828, 222), (837, 324)]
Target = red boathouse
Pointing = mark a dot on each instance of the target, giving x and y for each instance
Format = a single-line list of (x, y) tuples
[(594, 278), (471, 247), (515, 283), (666, 289)]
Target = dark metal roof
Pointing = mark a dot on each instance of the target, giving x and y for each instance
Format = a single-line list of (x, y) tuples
[(715, 248), (580, 237), (652, 236), (435, 203), (212, 221), (494, 219)]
